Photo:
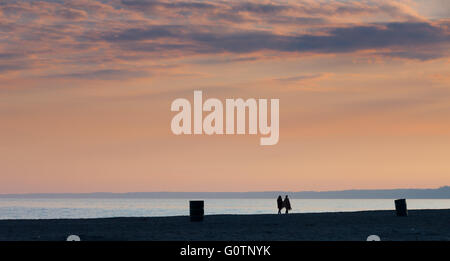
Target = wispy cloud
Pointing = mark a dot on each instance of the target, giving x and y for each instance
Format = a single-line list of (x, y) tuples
[(77, 35), (107, 74)]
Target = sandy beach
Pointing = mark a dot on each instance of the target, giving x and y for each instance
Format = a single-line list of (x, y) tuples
[(419, 225)]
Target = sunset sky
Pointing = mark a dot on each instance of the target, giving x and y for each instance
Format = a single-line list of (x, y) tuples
[(86, 88)]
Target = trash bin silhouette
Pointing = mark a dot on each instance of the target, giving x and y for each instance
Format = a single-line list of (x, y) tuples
[(196, 210), (400, 208)]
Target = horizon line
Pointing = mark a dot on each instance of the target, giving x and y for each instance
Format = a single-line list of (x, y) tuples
[(261, 191)]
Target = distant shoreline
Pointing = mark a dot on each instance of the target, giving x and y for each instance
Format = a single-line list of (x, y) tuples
[(419, 225), (438, 193)]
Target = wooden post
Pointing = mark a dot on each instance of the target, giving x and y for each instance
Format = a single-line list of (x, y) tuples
[(400, 208), (196, 210)]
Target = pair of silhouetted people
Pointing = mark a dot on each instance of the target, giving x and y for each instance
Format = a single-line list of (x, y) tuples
[(283, 204)]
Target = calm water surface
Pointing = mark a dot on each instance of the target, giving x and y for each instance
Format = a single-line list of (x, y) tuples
[(94, 208)]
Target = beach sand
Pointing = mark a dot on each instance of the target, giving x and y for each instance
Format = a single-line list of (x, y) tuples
[(419, 225)]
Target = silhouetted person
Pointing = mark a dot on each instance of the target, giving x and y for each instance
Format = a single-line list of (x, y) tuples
[(280, 204), (287, 204)]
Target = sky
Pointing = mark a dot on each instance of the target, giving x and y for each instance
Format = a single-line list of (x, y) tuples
[(86, 89)]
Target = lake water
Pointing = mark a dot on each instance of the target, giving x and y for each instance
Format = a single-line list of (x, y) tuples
[(12, 208)]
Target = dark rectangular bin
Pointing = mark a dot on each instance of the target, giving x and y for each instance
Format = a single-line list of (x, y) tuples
[(196, 210), (401, 208)]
